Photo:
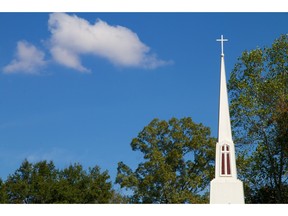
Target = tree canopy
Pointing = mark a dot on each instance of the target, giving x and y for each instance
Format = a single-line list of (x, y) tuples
[(258, 89), (43, 183), (178, 163)]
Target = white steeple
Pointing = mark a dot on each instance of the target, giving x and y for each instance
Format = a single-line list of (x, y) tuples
[(225, 187), (224, 127)]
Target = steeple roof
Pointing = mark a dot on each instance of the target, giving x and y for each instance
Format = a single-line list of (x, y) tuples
[(224, 127)]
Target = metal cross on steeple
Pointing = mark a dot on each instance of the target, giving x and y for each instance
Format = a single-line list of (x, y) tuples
[(222, 40)]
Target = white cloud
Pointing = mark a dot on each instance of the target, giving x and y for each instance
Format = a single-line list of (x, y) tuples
[(57, 155), (27, 59), (73, 36)]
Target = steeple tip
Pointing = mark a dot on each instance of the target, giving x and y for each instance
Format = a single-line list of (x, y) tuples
[(222, 40)]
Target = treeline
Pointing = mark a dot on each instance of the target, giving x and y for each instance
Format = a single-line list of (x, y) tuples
[(42, 182)]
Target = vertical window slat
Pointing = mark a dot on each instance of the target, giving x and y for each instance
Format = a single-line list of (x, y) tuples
[(228, 164), (223, 164)]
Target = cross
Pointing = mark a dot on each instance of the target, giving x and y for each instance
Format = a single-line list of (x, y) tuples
[(222, 40)]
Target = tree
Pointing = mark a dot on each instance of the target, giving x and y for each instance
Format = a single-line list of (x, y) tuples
[(3, 196), (77, 186), (18, 185), (43, 183), (178, 163), (118, 198), (32, 183), (43, 178), (258, 89)]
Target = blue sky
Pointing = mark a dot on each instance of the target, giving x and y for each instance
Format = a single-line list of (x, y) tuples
[(77, 87)]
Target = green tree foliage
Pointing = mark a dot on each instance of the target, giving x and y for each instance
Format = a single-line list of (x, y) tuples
[(75, 185), (118, 198), (3, 196), (18, 185), (43, 177), (178, 163), (43, 183), (258, 90)]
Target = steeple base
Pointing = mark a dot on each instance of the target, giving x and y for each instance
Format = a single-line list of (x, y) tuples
[(226, 190)]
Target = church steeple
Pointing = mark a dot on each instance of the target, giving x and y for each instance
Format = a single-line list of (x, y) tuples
[(225, 187), (224, 127), (225, 157)]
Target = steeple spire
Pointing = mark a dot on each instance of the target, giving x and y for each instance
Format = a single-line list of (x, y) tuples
[(225, 187), (224, 127)]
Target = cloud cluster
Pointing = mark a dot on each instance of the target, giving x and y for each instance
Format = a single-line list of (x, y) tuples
[(72, 37), (27, 58)]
